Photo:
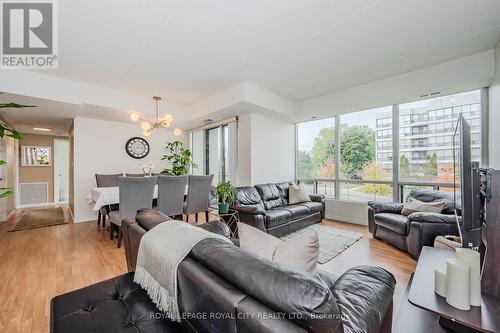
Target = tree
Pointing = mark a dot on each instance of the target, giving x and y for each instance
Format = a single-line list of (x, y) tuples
[(431, 167), (357, 147), (304, 165), (404, 167), (372, 171), (327, 170), (323, 148), (446, 174)]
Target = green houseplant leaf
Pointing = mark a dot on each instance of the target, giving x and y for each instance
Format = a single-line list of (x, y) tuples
[(180, 159), (226, 194), (6, 130)]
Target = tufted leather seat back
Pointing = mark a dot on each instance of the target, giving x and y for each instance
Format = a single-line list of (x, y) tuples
[(270, 195), (284, 190), (248, 196), (432, 195)]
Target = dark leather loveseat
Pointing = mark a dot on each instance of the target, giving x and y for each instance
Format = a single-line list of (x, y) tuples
[(266, 207), (225, 289), (410, 233)]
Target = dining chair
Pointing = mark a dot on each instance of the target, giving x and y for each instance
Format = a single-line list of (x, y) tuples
[(171, 191), (198, 195), (135, 193), (106, 180), (139, 174)]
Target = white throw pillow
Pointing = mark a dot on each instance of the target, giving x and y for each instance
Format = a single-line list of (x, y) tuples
[(297, 194), (299, 252), (413, 205)]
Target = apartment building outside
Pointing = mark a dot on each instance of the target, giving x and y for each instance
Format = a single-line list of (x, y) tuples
[(426, 128)]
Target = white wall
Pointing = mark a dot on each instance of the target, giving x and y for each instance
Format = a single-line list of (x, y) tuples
[(494, 115), (459, 75), (244, 174), (273, 150), (99, 147)]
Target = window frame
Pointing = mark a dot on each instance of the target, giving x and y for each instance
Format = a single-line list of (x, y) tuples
[(401, 124)]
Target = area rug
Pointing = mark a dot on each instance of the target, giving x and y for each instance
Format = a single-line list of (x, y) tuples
[(40, 218), (332, 241)]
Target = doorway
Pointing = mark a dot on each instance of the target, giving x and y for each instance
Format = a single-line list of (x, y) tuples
[(217, 153), (61, 171)]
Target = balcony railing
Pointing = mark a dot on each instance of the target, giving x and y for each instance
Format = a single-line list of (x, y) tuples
[(359, 190)]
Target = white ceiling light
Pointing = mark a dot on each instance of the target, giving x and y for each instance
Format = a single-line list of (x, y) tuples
[(164, 122), (42, 129)]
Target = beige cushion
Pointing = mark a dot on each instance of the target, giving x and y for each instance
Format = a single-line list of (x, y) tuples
[(297, 194), (299, 252), (256, 241), (413, 205)]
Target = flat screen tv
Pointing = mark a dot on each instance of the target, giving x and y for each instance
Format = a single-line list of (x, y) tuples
[(467, 187)]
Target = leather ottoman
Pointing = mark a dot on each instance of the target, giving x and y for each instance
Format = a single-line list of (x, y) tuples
[(114, 305)]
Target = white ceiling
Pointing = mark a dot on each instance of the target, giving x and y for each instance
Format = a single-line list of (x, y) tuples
[(46, 113), (188, 50)]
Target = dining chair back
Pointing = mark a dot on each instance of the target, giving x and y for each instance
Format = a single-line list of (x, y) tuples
[(136, 193), (134, 174), (198, 194), (171, 191), (106, 180)]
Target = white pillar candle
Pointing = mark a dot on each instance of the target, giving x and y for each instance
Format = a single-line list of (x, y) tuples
[(457, 284), (440, 281), (473, 259)]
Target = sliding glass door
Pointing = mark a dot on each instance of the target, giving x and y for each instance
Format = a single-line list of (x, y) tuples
[(217, 153)]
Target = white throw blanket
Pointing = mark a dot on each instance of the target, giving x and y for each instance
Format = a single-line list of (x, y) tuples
[(160, 252)]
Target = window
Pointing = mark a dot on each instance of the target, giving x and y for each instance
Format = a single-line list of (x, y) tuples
[(366, 155), (431, 159), (217, 153), (214, 150), (316, 149)]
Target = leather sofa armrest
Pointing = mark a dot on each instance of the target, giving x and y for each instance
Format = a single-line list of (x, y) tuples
[(132, 234), (431, 218), (364, 297), (317, 197), (386, 207), (249, 209), (372, 226), (424, 233)]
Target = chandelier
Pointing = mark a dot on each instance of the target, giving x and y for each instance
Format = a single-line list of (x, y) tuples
[(164, 122)]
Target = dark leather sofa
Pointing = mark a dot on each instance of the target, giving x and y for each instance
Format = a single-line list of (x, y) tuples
[(225, 289), (266, 207), (410, 233)]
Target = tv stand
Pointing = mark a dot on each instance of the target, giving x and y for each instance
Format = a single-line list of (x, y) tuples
[(485, 318)]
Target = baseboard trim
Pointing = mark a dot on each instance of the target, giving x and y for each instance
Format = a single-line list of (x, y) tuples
[(45, 204)]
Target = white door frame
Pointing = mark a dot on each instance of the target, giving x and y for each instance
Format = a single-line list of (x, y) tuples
[(56, 176)]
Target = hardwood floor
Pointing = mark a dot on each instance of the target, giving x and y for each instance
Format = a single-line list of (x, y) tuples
[(39, 264), (369, 251)]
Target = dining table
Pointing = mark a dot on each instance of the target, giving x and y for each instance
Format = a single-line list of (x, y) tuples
[(104, 196)]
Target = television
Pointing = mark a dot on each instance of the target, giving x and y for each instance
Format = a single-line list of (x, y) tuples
[(469, 205)]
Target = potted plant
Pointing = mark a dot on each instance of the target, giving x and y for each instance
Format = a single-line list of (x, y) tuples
[(226, 195), (180, 158), (6, 130)]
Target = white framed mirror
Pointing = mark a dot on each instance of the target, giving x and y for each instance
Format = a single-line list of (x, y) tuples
[(36, 156)]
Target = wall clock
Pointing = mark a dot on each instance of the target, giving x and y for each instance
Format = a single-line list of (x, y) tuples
[(137, 147)]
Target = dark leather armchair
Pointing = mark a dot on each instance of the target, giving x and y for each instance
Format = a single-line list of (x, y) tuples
[(266, 207), (410, 233)]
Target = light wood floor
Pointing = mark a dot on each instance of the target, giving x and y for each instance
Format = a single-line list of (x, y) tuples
[(36, 265)]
